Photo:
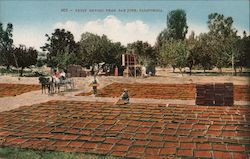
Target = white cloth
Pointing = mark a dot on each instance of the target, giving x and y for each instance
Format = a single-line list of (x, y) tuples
[(62, 74), (143, 70), (56, 79)]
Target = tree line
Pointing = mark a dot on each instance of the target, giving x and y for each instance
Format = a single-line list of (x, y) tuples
[(219, 47), (19, 57)]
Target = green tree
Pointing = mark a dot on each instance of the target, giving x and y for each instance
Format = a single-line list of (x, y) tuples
[(244, 56), (233, 50), (112, 55), (219, 25), (161, 39), (177, 25), (24, 57), (224, 39), (175, 53), (6, 45), (63, 58), (94, 49), (204, 49), (245, 51), (57, 44), (41, 59), (193, 55), (89, 49), (146, 54), (176, 30)]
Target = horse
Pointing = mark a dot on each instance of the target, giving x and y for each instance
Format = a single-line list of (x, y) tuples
[(55, 84), (61, 81), (45, 83)]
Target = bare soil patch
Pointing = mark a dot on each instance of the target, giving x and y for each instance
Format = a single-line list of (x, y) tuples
[(162, 91), (16, 89), (148, 90)]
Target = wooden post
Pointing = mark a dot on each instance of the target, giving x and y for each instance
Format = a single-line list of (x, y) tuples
[(134, 64), (127, 65), (233, 70)]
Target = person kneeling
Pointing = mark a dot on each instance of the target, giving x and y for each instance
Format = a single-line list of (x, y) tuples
[(124, 99)]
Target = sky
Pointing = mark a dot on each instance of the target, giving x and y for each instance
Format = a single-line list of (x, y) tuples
[(122, 21)]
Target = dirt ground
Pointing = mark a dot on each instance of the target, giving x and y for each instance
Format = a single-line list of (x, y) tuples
[(82, 85), (161, 77), (148, 128)]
